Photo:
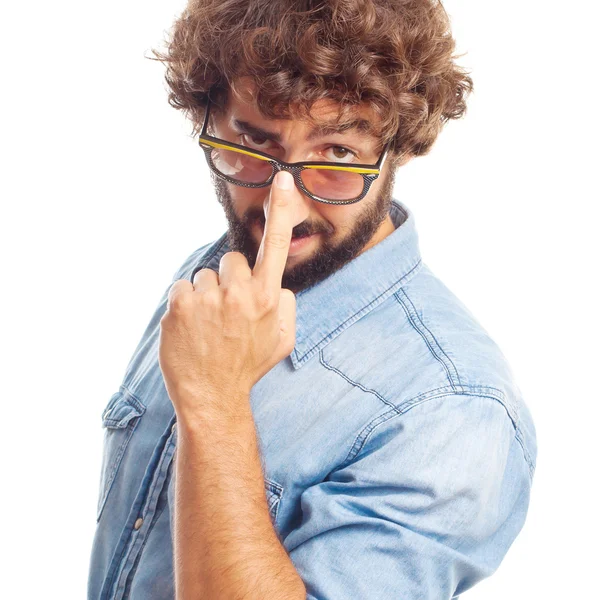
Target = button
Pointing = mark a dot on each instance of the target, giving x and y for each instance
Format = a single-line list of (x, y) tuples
[(138, 523)]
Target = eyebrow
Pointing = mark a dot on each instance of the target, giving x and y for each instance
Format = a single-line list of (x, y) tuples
[(362, 126)]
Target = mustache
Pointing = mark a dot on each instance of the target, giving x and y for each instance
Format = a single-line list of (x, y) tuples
[(301, 230)]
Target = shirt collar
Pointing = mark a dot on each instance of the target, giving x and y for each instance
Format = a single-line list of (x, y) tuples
[(326, 309)]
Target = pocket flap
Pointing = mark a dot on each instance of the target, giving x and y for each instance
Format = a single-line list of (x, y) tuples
[(121, 408)]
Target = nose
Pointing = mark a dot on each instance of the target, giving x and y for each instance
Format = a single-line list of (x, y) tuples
[(300, 204)]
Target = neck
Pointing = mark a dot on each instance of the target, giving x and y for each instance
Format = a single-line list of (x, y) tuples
[(385, 229)]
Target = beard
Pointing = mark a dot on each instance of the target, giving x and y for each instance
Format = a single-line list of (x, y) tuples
[(328, 257)]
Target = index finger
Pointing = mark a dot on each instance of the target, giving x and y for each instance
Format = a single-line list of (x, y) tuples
[(275, 244)]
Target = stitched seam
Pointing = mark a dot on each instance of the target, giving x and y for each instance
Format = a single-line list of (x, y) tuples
[(499, 397), (151, 501), (363, 436), (124, 545), (273, 486), (134, 567), (490, 392), (356, 315), (413, 317), (127, 432), (132, 398), (126, 397), (274, 508), (354, 383), (528, 458), (484, 391)]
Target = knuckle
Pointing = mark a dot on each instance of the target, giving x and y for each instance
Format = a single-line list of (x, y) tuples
[(180, 303), (211, 298), (265, 301), (197, 276), (231, 255), (233, 296)]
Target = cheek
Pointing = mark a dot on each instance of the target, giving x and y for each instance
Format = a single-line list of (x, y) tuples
[(245, 199), (246, 195), (340, 218)]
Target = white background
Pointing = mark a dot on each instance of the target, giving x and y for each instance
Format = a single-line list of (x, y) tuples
[(104, 194)]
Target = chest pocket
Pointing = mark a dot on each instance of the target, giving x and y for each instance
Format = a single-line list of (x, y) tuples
[(120, 418)]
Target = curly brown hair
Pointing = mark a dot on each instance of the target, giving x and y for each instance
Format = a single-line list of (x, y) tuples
[(396, 55)]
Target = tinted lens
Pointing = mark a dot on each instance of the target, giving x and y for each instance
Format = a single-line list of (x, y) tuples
[(241, 167), (331, 184)]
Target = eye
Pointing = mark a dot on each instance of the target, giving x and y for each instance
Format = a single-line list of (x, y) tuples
[(341, 152), (256, 142)]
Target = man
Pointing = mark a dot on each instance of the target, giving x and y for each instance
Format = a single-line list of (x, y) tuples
[(310, 412)]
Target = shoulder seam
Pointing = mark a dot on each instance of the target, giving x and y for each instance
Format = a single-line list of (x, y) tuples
[(394, 411)]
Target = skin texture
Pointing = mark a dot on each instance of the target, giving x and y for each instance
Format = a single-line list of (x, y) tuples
[(344, 231), (230, 327), (219, 336)]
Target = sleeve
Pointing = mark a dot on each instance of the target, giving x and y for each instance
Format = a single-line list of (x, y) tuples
[(427, 508)]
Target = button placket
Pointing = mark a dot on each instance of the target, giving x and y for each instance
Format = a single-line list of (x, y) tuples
[(148, 510)]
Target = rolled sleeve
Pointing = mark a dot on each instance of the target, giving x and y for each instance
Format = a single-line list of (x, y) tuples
[(428, 507)]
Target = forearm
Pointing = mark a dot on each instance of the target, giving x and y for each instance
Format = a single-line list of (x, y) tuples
[(225, 546)]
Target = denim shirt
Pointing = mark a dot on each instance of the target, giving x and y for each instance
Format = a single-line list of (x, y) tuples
[(398, 453)]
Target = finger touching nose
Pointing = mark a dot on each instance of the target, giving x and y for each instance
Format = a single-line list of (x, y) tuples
[(301, 205)]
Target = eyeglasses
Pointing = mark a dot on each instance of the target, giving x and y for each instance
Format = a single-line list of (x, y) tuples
[(328, 182)]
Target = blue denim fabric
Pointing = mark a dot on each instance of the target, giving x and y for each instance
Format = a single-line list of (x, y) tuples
[(398, 451)]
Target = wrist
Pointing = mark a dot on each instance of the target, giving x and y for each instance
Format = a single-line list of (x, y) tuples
[(199, 411)]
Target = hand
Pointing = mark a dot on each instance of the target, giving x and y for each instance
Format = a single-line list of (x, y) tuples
[(224, 332)]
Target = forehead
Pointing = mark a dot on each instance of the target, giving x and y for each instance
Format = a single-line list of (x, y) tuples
[(325, 115)]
